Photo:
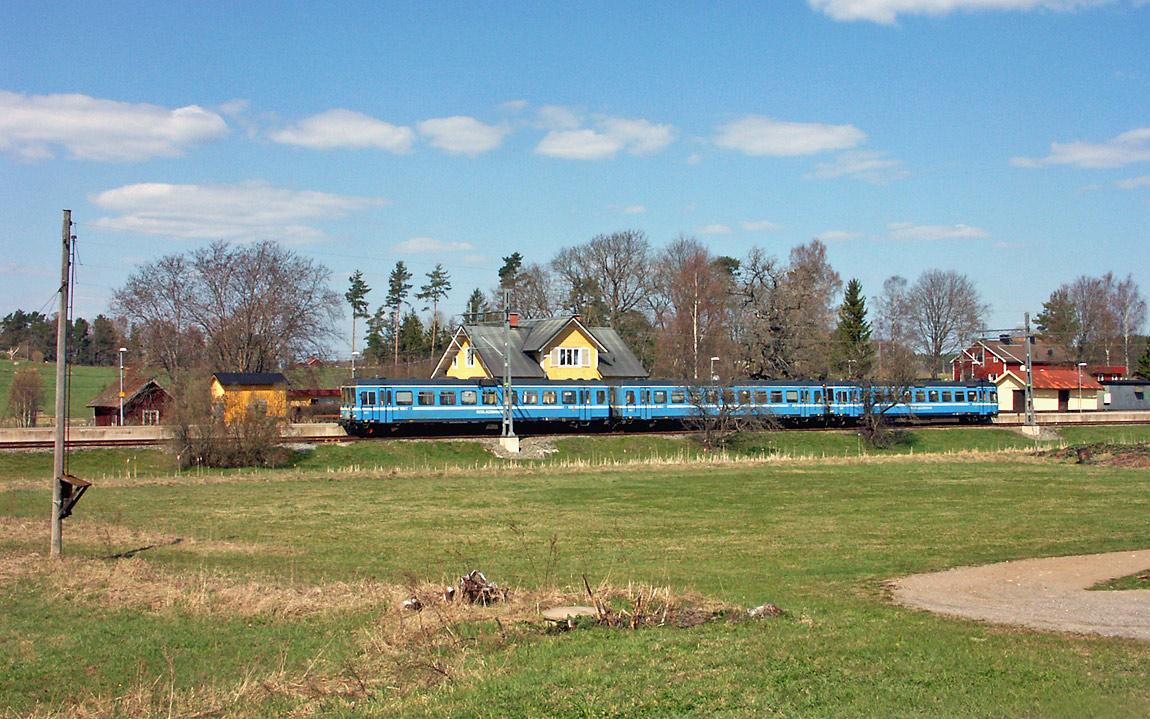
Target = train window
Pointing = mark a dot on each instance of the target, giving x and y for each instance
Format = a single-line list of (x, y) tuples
[(404, 397), (932, 395), (972, 396), (728, 396), (712, 396), (920, 395), (600, 397), (760, 396), (678, 396), (569, 396), (426, 397), (777, 396), (367, 399), (994, 396), (469, 396), (946, 396), (744, 396), (550, 396), (514, 396), (630, 398), (818, 396), (490, 397), (696, 396), (530, 396), (660, 396), (447, 398), (792, 395)]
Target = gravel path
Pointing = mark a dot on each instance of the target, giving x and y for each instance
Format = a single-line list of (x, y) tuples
[(1045, 594)]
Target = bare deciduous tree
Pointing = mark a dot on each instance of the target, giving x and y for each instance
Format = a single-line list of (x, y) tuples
[(1129, 312), (613, 270), (256, 307), (945, 311), (26, 396), (692, 318)]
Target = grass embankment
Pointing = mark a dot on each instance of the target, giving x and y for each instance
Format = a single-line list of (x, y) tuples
[(408, 457)]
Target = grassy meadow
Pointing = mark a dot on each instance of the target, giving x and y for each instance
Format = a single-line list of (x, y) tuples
[(276, 593)]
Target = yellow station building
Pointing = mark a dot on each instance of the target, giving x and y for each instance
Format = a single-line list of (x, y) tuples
[(555, 348), (233, 393)]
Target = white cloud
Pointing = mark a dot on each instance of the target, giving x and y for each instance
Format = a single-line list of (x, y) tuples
[(760, 226), (1126, 149), (755, 135), (237, 106), (634, 210), (461, 135), (610, 136), (554, 117), (886, 12), (715, 229), (837, 236), (237, 213), (866, 165), (346, 129), (429, 245), (103, 130), (931, 233), (1134, 183), (515, 106), (694, 158)]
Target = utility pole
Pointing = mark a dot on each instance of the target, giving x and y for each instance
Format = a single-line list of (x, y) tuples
[(61, 390), (508, 419), (1029, 377)]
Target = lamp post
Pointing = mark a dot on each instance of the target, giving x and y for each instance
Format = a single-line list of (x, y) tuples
[(714, 377), (354, 354), (1081, 365), (122, 351)]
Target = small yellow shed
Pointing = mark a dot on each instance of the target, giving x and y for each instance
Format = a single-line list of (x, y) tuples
[(234, 393)]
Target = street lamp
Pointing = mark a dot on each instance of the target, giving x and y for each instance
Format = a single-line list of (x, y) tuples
[(1080, 366), (714, 377), (354, 354), (122, 351)]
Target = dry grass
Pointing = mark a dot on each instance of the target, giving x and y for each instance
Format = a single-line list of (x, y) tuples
[(398, 651)]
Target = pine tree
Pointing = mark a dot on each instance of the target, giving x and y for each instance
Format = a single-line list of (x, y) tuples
[(356, 296), (397, 291), (853, 352), (509, 272), (378, 328), (437, 287)]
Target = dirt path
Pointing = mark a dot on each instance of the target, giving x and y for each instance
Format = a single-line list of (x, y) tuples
[(1045, 594)]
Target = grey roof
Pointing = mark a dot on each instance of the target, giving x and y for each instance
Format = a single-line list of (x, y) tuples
[(250, 378), (616, 361)]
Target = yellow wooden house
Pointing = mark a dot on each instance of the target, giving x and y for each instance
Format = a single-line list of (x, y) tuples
[(234, 393), (556, 348)]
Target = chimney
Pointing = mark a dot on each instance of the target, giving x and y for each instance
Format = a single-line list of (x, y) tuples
[(513, 319)]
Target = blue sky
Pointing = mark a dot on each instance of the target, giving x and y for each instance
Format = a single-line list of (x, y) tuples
[(1005, 139)]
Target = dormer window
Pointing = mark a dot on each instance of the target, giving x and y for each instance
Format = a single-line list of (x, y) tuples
[(571, 357), (470, 357)]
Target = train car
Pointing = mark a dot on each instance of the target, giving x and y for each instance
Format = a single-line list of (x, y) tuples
[(370, 406)]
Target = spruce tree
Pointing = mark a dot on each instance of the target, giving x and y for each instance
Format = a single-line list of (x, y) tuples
[(852, 350), (1142, 370)]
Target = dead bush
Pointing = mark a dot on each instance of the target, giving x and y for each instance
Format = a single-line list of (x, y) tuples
[(201, 437)]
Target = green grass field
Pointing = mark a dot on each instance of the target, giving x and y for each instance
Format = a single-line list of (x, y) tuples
[(277, 593), (87, 382)]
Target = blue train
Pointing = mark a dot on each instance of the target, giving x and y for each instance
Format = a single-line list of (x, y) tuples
[(376, 406)]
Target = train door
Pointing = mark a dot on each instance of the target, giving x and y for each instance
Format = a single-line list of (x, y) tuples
[(586, 398)]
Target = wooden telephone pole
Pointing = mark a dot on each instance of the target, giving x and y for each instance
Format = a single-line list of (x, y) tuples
[(61, 390)]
